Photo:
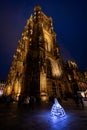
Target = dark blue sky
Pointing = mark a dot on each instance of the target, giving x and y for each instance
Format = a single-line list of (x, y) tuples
[(69, 20)]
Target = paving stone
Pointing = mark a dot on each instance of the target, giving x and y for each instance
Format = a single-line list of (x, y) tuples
[(14, 118)]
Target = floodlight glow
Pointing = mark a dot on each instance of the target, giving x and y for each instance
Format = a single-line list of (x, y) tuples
[(57, 110), (1, 92)]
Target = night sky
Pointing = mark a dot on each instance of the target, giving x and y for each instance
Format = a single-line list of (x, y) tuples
[(69, 21)]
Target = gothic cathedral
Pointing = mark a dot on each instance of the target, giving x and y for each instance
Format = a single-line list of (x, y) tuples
[(37, 68)]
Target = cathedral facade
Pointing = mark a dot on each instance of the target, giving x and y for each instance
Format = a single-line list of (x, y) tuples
[(37, 68)]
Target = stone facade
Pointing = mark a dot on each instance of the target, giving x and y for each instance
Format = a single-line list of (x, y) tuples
[(76, 77), (37, 68)]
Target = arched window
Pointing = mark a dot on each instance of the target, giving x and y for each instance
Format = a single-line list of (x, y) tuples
[(46, 44)]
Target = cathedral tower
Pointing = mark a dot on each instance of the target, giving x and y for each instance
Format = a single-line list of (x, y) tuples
[(37, 67)]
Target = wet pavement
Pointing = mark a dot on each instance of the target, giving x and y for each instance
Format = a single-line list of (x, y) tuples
[(14, 118)]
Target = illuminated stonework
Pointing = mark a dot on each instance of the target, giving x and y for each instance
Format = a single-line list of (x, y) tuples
[(48, 41), (72, 64), (37, 68), (56, 69)]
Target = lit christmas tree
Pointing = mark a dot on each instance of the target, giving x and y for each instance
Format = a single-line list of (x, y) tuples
[(57, 110)]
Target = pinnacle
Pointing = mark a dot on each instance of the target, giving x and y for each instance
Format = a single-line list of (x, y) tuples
[(37, 8)]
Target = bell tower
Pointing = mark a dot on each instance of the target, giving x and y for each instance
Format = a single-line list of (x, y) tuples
[(37, 67)]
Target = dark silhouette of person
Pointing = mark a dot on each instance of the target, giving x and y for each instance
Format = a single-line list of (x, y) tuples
[(76, 100), (80, 99)]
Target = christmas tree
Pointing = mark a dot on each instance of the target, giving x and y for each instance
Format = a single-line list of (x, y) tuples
[(57, 110)]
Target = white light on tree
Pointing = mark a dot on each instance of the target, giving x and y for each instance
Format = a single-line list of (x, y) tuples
[(57, 110)]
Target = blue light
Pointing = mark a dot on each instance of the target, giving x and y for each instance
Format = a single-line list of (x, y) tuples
[(57, 110)]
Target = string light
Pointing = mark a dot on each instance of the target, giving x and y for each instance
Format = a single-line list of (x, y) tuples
[(57, 110)]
